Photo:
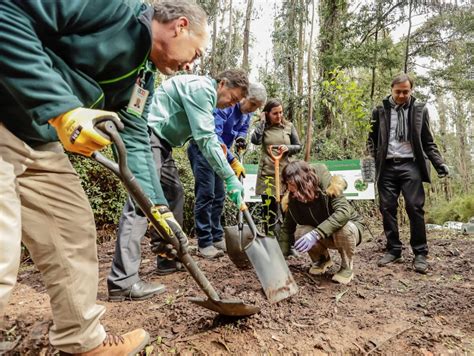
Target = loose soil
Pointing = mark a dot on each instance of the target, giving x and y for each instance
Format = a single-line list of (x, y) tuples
[(390, 310)]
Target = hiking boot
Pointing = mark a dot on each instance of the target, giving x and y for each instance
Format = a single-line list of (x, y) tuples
[(321, 266), (128, 344), (220, 245), (138, 291), (420, 264), (389, 258), (344, 276), (165, 266), (210, 252)]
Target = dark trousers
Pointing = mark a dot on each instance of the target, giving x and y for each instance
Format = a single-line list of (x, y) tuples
[(133, 226), (210, 196), (403, 177)]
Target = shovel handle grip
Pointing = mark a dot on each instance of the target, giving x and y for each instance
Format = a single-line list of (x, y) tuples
[(277, 157)]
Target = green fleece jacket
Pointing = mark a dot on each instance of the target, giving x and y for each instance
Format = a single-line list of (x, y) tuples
[(182, 110), (326, 214), (59, 55)]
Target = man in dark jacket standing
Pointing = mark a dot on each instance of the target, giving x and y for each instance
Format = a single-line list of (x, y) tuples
[(402, 143), (60, 62)]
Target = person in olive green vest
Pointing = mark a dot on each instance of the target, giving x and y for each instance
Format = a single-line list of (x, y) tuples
[(319, 217), (274, 130)]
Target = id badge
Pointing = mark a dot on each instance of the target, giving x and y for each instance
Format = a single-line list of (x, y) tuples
[(137, 102)]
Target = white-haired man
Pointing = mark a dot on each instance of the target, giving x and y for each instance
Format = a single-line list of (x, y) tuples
[(231, 126)]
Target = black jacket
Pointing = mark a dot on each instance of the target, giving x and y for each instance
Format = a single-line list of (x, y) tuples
[(421, 138)]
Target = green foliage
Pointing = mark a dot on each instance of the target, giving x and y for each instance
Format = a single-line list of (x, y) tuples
[(345, 100), (187, 180), (105, 191), (461, 208)]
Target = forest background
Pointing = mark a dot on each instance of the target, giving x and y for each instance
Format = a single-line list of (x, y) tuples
[(331, 62)]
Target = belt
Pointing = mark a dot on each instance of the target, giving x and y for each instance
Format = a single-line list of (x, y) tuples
[(399, 160)]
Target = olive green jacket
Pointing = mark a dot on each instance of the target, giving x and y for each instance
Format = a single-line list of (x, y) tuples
[(326, 214), (276, 135), (60, 55)]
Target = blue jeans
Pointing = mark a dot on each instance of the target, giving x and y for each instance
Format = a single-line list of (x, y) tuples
[(210, 196)]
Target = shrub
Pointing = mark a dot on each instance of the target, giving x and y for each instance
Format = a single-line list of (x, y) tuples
[(105, 191), (461, 208)]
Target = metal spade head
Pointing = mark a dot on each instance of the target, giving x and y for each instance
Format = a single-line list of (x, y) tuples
[(228, 307), (237, 240)]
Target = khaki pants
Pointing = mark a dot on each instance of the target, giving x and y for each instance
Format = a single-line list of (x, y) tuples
[(343, 240), (57, 226)]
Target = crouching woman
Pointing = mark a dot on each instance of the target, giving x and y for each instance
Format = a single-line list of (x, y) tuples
[(320, 218)]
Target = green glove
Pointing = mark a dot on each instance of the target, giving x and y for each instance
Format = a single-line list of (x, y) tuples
[(235, 190)]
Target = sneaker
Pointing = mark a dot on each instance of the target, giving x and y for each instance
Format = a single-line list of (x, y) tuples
[(389, 258), (210, 252), (128, 344), (321, 266), (220, 245), (165, 266), (138, 291), (344, 276), (420, 264)]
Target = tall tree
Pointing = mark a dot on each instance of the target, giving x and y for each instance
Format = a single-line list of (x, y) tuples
[(309, 127), (248, 20), (407, 49)]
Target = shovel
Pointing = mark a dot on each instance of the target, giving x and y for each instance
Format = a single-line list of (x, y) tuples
[(246, 245), (237, 238), (276, 160), (229, 307)]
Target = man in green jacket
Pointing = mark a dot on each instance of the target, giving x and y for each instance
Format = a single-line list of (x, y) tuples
[(62, 64), (182, 109)]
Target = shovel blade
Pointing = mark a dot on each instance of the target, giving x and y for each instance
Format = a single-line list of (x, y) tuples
[(236, 241), (228, 307), (265, 255)]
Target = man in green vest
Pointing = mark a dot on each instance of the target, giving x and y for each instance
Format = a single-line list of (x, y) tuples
[(181, 110), (64, 66)]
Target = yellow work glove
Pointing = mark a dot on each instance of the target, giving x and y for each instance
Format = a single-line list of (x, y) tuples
[(167, 221), (238, 168), (76, 131)]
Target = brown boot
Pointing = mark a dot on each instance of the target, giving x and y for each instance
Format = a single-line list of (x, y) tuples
[(128, 344)]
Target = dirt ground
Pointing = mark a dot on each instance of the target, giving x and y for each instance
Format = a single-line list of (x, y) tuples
[(383, 311)]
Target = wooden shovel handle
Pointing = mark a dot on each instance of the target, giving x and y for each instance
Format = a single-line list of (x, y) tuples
[(276, 159)]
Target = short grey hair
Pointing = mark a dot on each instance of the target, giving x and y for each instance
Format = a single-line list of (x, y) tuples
[(402, 78), (257, 92), (166, 11), (234, 78)]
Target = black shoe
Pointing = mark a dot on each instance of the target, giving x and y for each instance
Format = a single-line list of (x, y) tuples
[(389, 258), (164, 266), (138, 291), (420, 264)]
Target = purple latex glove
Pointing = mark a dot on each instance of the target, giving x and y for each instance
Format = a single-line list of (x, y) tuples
[(307, 241)]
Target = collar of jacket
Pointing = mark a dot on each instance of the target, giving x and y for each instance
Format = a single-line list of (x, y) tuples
[(146, 17)]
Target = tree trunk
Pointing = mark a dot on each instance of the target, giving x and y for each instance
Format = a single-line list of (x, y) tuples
[(464, 164), (408, 37), (290, 60), (309, 129), (248, 19), (299, 79), (214, 46), (229, 34)]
